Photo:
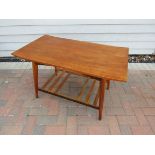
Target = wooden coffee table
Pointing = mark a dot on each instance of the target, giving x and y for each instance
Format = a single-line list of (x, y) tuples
[(96, 62)]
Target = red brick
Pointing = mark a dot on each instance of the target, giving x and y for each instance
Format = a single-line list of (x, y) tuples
[(38, 111), (62, 116), (125, 130), (115, 99), (72, 121), (127, 108), (151, 102), (74, 111), (21, 116), (9, 105), (114, 111), (52, 105), (11, 130), (30, 125), (142, 130), (15, 108), (4, 111), (71, 131), (82, 130), (47, 120), (38, 130), (151, 120), (140, 116), (7, 120), (149, 111), (127, 120), (10, 95), (2, 103), (88, 120), (136, 91), (92, 112), (113, 125), (139, 103), (71, 125), (55, 130), (98, 130), (119, 88)]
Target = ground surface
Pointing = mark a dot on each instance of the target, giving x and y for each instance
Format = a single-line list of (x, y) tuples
[(129, 107)]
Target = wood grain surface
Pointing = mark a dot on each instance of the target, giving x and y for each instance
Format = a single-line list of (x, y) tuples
[(101, 61)]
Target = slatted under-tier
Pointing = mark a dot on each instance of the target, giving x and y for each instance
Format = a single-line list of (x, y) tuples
[(81, 89)]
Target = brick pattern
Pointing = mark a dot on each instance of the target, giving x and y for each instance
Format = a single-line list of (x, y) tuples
[(129, 107)]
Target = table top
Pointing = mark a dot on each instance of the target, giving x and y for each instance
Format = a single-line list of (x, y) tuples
[(97, 60)]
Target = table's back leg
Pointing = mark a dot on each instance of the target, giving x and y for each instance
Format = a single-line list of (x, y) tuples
[(101, 97), (56, 70), (108, 84), (35, 77)]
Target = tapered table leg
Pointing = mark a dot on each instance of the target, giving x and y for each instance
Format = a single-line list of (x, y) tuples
[(101, 97), (56, 71), (108, 84), (35, 77)]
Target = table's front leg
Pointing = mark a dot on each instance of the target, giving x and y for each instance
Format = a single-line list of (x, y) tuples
[(101, 97), (35, 77)]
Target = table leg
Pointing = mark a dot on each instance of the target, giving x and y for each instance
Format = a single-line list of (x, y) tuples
[(56, 71), (35, 77), (108, 84), (101, 97)]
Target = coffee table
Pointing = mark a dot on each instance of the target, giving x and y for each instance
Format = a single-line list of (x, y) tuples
[(96, 62)]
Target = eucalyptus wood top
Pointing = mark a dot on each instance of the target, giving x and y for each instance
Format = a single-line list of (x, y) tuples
[(97, 60)]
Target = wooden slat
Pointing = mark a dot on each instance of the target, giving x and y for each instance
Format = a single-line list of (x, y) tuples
[(69, 98), (80, 74), (82, 89), (62, 83), (96, 98), (48, 81), (90, 91), (56, 81)]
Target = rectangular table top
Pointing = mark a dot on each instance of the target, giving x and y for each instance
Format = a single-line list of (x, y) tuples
[(97, 60)]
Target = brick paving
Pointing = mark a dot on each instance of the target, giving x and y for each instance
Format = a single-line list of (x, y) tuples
[(129, 107)]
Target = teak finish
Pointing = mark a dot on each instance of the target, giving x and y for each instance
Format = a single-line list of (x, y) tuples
[(97, 62), (92, 59)]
